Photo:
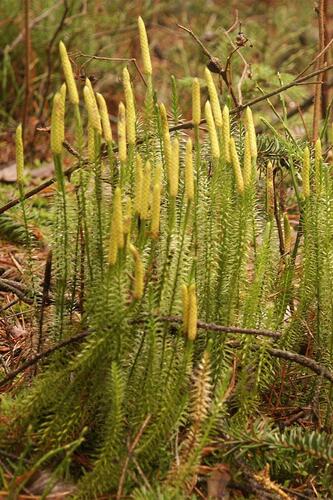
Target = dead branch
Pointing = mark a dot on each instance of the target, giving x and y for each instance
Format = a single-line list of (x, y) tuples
[(277, 353), (129, 455), (213, 327), (214, 65), (32, 361), (49, 56)]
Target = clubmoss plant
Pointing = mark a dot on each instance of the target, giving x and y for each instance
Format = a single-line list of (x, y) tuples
[(166, 243)]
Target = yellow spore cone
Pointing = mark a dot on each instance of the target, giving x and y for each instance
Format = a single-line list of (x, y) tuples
[(103, 110), (214, 99), (214, 143), (189, 175), (69, 76), (196, 102), (122, 146), (147, 67), (19, 154), (130, 108)]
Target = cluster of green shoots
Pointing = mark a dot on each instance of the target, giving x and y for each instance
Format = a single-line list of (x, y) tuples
[(163, 235)]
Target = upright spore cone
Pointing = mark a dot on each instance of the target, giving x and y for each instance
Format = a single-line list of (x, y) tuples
[(19, 154), (189, 176), (226, 133), (130, 108), (247, 169), (122, 146), (196, 102), (58, 122), (92, 109), (164, 118), (147, 68), (107, 131), (214, 99), (318, 162), (236, 166), (69, 76), (252, 132), (214, 143)]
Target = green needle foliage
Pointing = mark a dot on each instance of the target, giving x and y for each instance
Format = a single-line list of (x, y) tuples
[(154, 228)]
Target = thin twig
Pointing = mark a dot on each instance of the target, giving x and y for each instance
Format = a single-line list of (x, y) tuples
[(300, 360), (32, 361), (113, 59), (317, 108), (213, 327), (27, 69), (214, 64), (6, 286), (278, 353), (45, 297), (49, 56), (129, 454), (67, 172), (10, 304), (321, 53)]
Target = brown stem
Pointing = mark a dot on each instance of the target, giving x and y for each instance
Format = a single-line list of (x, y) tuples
[(45, 297), (317, 110), (27, 40), (129, 455), (49, 57)]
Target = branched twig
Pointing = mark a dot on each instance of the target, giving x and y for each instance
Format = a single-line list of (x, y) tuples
[(214, 65), (34, 360), (45, 296), (129, 455), (277, 353), (49, 56), (113, 59), (67, 172), (300, 360), (213, 327), (8, 286)]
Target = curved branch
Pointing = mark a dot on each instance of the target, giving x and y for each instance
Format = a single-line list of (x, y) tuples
[(309, 363)]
